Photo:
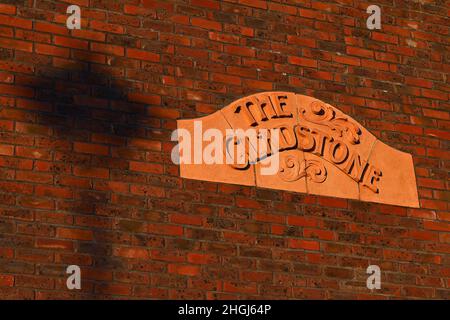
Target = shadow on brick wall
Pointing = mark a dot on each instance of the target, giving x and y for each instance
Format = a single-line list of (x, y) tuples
[(83, 126)]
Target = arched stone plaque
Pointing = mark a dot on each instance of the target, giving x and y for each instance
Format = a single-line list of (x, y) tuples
[(322, 151)]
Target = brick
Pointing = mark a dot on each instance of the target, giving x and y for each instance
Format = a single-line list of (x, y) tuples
[(34, 282), (16, 44), (7, 9), (5, 279), (185, 270), (6, 253), (113, 289), (6, 77), (235, 29), (163, 113), (383, 37), (185, 219), (226, 38), (438, 114), (430, 183), (255, 84), (302, 41), (423, 235), (144, 98), (33, 105), (106, 27), (192, 52), (6, 150), (33, 153), (302, 221), (437, 133), (304, 244), (53, 192), (52, 50), (409, 129), (240, 51), (226, 79), (7, 32), (239, 287), (211, 4), (50, 28), (172, 230), (418, 82), (32, 202), (347, 60), (89, 35), (248, 203), (76, 234), (353, 51), (305, 62), (201, 258), (254, 3), (333, 202), (91, 172), (437, 226), (34, 177), (206, 24), (375, 65), (154, 168), (142, 55), (319, 234), (15, 21), (146, 144), (433, 204), (434, 94), (312, 14), (269, 217), (338, 273), (292, 10), (91, 148), (107, 48), (134, 253), (54, 244), (70, 42)]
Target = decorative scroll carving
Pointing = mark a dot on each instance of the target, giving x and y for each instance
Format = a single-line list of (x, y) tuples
[(316, 171), (291, 169), (323, 114)]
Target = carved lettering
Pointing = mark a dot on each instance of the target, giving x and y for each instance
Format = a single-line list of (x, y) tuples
[(282, 105), (356, 167), (237, 152), (302, 141), (338, 152), (300, 136), (320, 138), (287, 138), (248, 116), (371, 179), (313, 141), (256, 110), (305, 138)]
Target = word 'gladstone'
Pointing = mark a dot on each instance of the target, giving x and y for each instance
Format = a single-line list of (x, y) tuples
[(336, 149)]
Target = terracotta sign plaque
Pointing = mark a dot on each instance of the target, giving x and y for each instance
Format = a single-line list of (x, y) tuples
[(296, 143)]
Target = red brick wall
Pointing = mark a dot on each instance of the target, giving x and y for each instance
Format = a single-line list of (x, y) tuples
[(85, 170)]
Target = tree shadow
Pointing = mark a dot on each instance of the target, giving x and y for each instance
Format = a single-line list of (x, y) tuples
[(81, 117)]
